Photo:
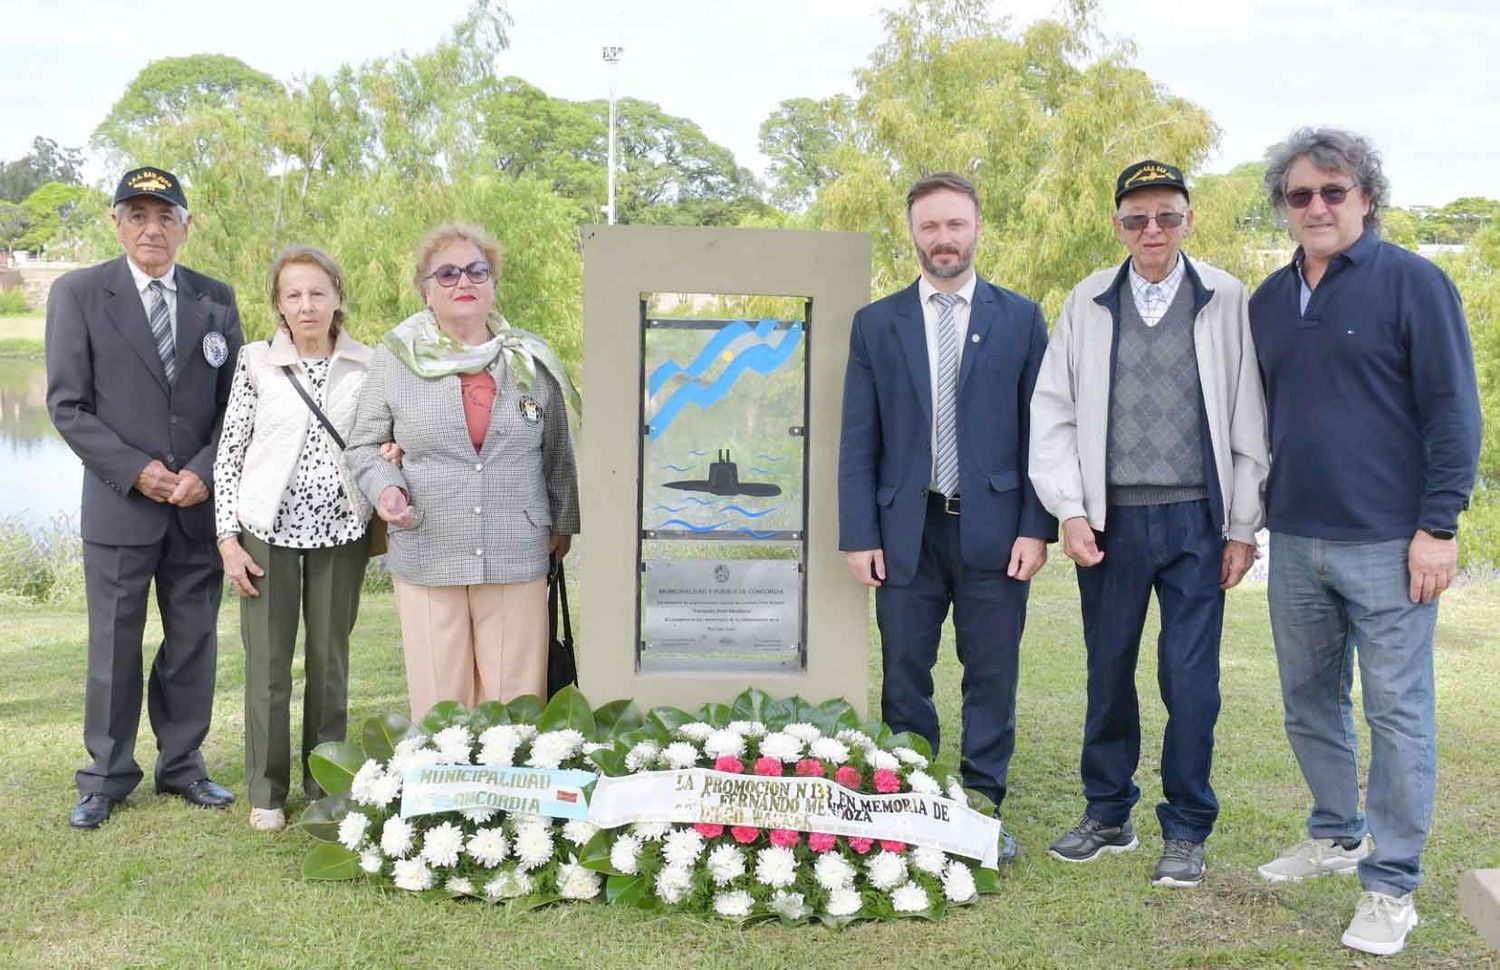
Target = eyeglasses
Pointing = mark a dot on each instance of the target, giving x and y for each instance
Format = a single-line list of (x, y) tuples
[(1164, 220), (1332, 195), (447, 274)]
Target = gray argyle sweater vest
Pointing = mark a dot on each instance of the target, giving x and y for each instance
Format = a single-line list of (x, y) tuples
[(1156, 429)]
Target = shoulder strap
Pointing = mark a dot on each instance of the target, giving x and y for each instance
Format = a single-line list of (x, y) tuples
[(313, 406)]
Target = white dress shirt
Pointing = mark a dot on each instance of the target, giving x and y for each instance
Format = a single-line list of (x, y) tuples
[(1152, 300), (142, 284), (931, 313)]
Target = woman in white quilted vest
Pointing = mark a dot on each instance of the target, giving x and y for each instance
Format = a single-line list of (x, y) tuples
[(488, 490), (292, 529)]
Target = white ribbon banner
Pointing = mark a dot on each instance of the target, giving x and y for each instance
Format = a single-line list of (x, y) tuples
[(695, 795)]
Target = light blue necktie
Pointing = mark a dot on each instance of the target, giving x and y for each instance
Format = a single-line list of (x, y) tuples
[(946, 406)]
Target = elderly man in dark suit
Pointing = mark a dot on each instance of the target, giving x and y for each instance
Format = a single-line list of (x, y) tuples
[(935, 506), (137, 381)]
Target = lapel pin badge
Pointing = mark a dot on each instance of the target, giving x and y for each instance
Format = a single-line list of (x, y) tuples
[(530, 409), (215, 348)]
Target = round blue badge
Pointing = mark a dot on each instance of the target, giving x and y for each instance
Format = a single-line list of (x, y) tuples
[(215, 348)]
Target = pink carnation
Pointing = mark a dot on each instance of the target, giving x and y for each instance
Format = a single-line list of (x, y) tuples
[(847, 776), (810, 766), (729, 763), (822, 841), (862, 846), (785, 838), (887, 781), (768, 766), (892, 846), (744, 834), (709, 831)]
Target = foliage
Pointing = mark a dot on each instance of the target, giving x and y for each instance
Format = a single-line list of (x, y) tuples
[(40, 564), (15, 222), (61, 217), (13, 302), (801, 138), (166, 91), (45, 163)]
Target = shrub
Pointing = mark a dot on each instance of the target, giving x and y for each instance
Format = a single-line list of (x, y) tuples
[(13, 302)]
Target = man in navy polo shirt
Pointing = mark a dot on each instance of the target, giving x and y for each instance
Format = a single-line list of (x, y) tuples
[(1375, 431)]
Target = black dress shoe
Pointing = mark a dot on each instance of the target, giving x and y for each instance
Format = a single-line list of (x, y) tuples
[(205, 793), (91, 811)]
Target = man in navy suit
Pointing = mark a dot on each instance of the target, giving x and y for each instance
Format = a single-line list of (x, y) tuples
[(140, 355), (935, 505)]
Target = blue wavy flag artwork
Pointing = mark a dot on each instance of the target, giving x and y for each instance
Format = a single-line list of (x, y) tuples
[(762, 358)]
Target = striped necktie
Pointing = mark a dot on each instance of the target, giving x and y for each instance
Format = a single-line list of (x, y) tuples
[(946, 406), (161, 330)]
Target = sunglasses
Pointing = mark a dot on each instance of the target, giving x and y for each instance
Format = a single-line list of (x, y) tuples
[(1332, 195), (1164, 220), (448, 274)]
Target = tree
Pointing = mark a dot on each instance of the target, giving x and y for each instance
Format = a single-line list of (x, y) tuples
[(46, 163), (1234, 226), (801, 138), (57, 214), (166, 90), (14, 221)]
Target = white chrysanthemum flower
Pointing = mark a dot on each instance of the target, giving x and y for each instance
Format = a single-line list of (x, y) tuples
[(882, 759), (673, 883), (578, 831), (682, 847), (459, 886), (833, 871), (625, 855), (923, 783), (352, 830), (395, 837), (488, 847), (804, 732), (726, 863), (442, 844), (910, 898), (411, 875), (910, 756), (552, 748), (695, 731), (844, 901), (749, 729), (733, 904), (478, 816), (370, 860), (788, 905), (680, 754), (499, 734), (829, 749), (926, 859), (724, 744), (411, 754), (650, 831), (499, 754), (958, 882), (454, 744), (641, 757), (776, 866), (858, 739), (886, 870), (781, 746), (520, 821), (508, 885), (533, 847), (956, 791), (526, 731), (385, 790), (576, 882), (409, 746), (361, 789)]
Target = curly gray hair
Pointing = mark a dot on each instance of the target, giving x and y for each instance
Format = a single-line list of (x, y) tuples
[(1335, 150)]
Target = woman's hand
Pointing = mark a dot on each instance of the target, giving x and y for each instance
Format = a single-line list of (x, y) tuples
[(395, 508), (392, 453), (239, 567), (560, 545)]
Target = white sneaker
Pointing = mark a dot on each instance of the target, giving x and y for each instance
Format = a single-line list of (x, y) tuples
[(1313, 858), (1380, 923), (267, 819)]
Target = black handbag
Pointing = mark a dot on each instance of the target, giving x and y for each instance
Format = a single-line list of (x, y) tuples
[(562, 668)]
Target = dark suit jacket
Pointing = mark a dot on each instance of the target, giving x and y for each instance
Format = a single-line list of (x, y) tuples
[(885, 452), (109, 398)]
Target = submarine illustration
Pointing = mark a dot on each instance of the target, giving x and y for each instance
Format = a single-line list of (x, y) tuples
[(724, 479)]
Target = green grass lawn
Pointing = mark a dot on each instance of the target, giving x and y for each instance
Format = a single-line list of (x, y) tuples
[(165, 885), (22, 334)]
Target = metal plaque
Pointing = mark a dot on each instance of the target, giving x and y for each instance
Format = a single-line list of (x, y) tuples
[(724, 607)]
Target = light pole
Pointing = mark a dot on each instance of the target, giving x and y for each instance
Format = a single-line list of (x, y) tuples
[(612, 58)]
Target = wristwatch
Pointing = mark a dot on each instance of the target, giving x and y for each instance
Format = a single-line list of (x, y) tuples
[(1441, 533)]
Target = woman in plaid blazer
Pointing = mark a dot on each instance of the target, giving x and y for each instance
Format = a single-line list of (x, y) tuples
[(488, 489)]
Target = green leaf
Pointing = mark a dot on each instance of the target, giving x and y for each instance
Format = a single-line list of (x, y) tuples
[(321, 818), (715, 713), (334, 764), (909, 739), (444, 714), (878, 731), (980, 802), (669, 719), (834, 715), (526, 709), (610, 761), (567, 710), (751, 705), (802, 712), (987, 881), (626, 890), (595, 852), (616, 718), (379, 735), (487, 715), (330, 861), (777, 714)]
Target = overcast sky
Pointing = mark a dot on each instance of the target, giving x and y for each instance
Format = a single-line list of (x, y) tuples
[(1422, 79)]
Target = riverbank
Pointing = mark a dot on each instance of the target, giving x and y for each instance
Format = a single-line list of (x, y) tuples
[(21, 335)]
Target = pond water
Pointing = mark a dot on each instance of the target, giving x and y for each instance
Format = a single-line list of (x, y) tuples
[(40, 477)]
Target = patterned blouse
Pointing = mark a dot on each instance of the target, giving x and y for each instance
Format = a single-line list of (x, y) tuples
[(314, 512)]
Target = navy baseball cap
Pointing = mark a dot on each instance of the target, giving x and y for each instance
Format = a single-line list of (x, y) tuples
[(155, 183), (1145, 175)]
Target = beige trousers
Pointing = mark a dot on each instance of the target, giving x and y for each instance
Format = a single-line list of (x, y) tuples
[(473, 643)]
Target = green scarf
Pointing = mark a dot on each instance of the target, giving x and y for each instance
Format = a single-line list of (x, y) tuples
[(420, 344)]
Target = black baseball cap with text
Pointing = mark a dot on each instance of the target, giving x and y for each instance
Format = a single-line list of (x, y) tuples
[(1148, 174), (153, 183)]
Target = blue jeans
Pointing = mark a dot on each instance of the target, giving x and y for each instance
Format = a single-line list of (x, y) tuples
[(1177, 551), (1330, 603)]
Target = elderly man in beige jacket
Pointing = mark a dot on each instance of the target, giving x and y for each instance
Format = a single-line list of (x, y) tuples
[(1148, 443)]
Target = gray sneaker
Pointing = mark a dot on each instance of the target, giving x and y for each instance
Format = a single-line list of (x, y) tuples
[(1180, 866), (1091, 838)]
